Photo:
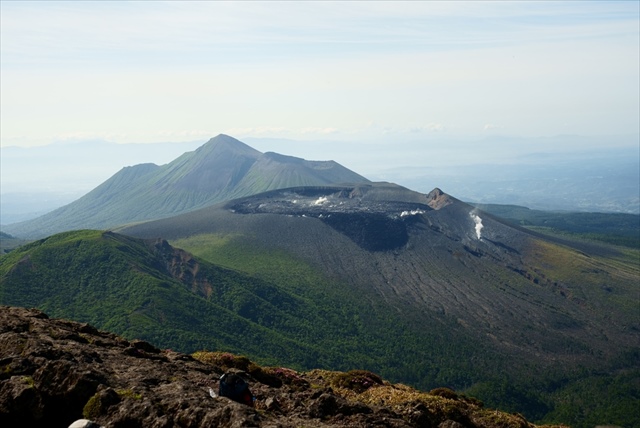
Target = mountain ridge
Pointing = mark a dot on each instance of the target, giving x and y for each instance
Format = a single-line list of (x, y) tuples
[(221, 169)]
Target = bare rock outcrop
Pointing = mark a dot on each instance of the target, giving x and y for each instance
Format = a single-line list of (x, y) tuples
[(54, 372)]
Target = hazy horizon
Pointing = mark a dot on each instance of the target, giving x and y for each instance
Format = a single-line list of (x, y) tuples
[(135, 72), (378, 86), (576, 175)]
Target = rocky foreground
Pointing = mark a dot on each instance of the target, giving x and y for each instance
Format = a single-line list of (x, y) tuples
[(54, 372)]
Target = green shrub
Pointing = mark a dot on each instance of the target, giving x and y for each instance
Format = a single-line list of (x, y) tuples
[(129, 393), (444, 392), (93, 408), (357, 380)]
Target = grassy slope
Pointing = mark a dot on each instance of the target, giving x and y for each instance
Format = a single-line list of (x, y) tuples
[(387, 343), (608, 394), (8, 243), (550, 395), (116, 283), (341, 330), (603, 283)]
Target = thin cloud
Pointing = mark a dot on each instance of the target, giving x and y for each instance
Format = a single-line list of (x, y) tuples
[(211, 32), (263, 131), (319, 68), (430, 127)]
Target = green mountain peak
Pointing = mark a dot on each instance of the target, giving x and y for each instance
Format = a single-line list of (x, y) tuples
[(221, 169)]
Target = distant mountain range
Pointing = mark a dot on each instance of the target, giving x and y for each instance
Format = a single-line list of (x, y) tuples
[(222, 169), (561, 173)]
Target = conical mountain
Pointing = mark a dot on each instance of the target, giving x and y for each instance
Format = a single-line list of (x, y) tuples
[(221, 169), (431, 255)]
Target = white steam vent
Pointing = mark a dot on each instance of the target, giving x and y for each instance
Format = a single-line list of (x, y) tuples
[(412, 212), (478, 221), (321, 200)]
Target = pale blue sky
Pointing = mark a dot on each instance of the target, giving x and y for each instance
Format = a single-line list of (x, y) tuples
[(345, 71)]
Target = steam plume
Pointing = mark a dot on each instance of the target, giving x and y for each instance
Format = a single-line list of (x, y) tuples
[(412, 212), (321, 200), (478, 221)]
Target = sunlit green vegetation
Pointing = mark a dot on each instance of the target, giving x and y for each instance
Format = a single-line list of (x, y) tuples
[(278, 310), (8, 243)]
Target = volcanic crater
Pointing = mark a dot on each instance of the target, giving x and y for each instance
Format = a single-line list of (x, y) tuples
[(375, 225)]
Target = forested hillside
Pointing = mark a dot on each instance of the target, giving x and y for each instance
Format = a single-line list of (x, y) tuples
[(499, 312)]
